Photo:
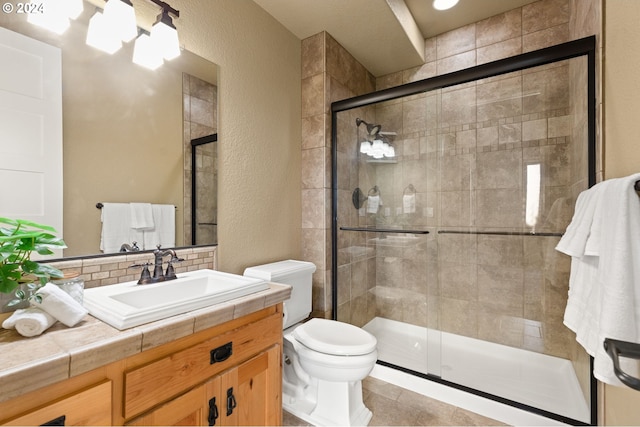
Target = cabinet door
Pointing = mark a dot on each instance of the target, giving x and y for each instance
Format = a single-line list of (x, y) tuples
[(248, 394), (91, 406), (252, 391), (185, 410)]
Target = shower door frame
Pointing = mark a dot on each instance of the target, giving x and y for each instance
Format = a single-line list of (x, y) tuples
[(195, 143), (573, 49)]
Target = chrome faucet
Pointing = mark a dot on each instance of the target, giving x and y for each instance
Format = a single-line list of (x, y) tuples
[(125, 247)]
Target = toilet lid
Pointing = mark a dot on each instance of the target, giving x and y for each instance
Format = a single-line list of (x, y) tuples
[(333, 337)]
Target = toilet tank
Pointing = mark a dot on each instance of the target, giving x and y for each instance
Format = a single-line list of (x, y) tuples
[(298, 274)]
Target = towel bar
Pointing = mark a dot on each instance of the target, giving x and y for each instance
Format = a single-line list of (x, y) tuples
[(615, 349), (99, 205)]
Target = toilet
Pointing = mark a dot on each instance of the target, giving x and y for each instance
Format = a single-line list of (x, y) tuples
[(324, 361)]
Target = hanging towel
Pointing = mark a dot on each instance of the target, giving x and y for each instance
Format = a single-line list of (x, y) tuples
[(409, 203), (141, 216), (604, 286), (29, 322), (116, 226), (373, 204), (164, 231), (60, 305)]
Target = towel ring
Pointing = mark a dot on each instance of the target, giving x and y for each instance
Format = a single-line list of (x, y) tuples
[(409, 189), (374, 191)]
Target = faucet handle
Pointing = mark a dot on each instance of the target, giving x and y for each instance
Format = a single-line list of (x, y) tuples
[(170, 273), (145, 276)]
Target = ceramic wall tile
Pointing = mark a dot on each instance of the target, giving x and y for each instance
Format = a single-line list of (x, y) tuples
[(456, 41), (313, 54), (544, 14), (499, 28)]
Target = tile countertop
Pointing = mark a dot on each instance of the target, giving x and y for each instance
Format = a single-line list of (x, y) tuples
[(27, 364)]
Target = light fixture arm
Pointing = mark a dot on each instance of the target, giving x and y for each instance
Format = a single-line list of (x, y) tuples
[(166, 7)]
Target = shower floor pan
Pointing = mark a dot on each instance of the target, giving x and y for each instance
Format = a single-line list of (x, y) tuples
[(538, 380)]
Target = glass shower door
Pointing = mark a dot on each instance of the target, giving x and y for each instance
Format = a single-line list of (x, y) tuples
[(385, 245)]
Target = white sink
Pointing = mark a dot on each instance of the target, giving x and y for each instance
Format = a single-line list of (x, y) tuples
[(128, 304)]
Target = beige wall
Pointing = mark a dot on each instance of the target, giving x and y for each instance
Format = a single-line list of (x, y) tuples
[(621, 147)]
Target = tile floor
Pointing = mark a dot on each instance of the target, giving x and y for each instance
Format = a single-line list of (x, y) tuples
[(394, 406)]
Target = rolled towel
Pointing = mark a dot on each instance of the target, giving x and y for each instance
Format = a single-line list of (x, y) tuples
[(60, 305), (29, 322)]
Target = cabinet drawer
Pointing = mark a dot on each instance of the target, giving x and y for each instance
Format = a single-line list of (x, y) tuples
[(91, 406), (158, 381)]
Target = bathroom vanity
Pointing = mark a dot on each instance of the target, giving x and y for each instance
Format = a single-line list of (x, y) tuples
[(219, 365)]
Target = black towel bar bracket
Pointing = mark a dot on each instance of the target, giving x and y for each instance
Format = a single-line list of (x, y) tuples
[(616, 349)]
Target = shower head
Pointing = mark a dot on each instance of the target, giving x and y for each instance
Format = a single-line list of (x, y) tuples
[(371, 129)]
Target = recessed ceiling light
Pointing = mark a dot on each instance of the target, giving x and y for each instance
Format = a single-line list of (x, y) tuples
[(444, 4)]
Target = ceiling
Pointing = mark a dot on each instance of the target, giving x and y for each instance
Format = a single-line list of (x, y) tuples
[(383, 35)]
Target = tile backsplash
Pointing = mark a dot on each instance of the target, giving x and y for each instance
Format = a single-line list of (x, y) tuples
[(108, 270)]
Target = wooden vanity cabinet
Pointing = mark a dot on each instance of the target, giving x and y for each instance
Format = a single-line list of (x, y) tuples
[(90, 406), (248, 394), (230, 374)]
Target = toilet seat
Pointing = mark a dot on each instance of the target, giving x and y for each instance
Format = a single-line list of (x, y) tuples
[(334, 338)]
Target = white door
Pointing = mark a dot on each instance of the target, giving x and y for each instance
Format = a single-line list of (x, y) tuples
[(30, 130)]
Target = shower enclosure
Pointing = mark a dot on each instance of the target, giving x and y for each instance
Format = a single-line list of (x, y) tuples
[(449, 197)]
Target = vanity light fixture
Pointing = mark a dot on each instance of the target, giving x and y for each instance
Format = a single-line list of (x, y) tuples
[(115, 24), (145, 52), (73, 8), (100, 35), (164, 34), (54, 15), (121, 19), (444, 4)]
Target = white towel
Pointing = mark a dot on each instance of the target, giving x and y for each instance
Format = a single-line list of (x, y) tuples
[(29, 322), (164, 231), (373, 204), (60, 305), (116, 226), (409, 203), (574, 240), (141, 216), (604, 293)]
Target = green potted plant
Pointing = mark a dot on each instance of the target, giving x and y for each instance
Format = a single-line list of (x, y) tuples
[(18, 239)]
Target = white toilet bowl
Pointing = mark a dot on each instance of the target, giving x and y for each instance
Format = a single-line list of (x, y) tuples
[(325, 362)]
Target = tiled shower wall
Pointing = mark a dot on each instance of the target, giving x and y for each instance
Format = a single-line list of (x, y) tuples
[(329, 73), (200, 111)]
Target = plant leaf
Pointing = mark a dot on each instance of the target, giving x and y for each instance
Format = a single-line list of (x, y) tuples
[(24, 222)]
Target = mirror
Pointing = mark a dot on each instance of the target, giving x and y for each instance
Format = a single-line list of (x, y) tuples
[(127, 131)]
